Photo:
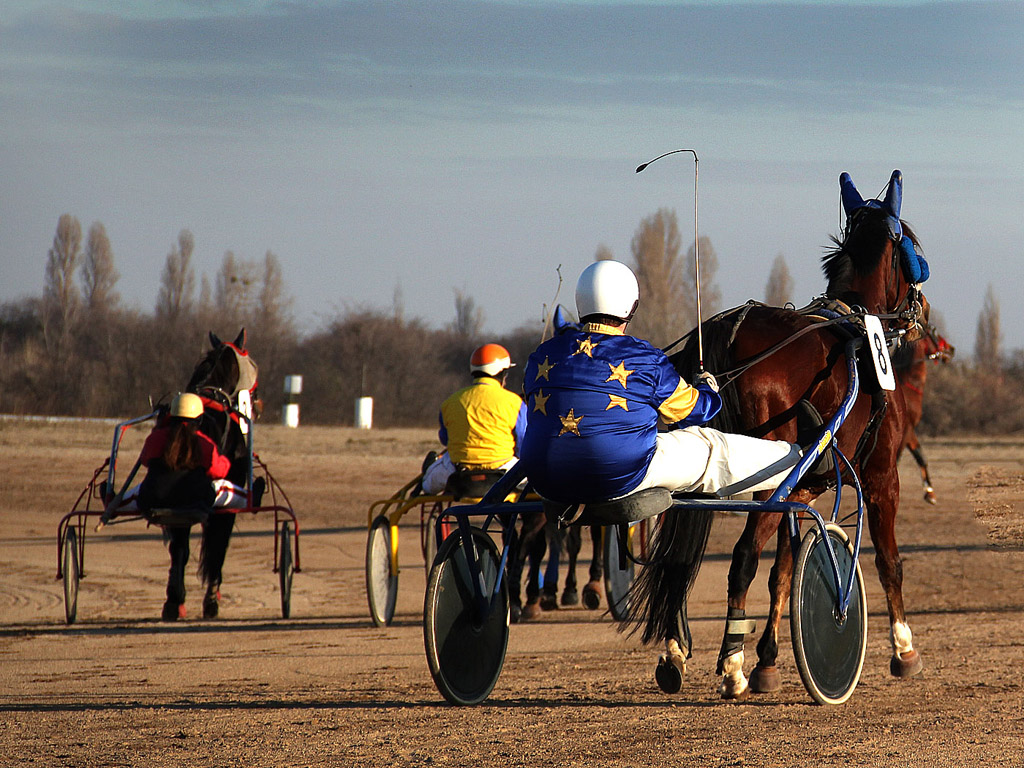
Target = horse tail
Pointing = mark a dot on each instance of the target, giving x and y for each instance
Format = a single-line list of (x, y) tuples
[(216, 537), (658, 595)]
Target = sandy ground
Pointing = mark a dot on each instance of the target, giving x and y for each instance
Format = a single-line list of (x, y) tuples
[(325, 687)]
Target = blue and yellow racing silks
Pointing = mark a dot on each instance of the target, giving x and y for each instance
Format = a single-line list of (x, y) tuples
[(593, 398), (483, 424)]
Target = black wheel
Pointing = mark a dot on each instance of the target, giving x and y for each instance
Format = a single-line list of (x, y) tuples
[(286, 570), (72, 573), (381, 578), (430, 541), (618, 575), (829, 648), (465, 651)]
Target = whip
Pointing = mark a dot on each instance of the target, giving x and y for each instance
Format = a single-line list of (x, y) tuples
[(696, 246)]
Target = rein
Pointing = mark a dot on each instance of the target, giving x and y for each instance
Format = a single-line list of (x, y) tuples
[(728, 377)]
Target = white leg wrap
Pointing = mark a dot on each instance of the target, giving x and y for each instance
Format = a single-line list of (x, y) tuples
[(902, 639), (734, 682), (673, 651)]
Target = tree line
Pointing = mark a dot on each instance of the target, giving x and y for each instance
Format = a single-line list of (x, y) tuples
[(79, 350)]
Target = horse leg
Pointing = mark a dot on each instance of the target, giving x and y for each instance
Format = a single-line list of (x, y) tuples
[(881, 495), (765, 676), (594, 587), (758, 529), (549, 593), (216, 537), (533, 545), (914, 446), (178, 545), (572, 540)]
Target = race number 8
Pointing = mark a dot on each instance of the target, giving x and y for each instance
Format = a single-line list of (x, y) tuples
[(880, 352)]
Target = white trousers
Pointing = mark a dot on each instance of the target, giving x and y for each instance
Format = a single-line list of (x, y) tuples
[(227, 495), (708, 461), (435, 477)]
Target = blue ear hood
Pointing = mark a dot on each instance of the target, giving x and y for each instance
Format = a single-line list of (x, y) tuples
[(852, 200), (562, 320), (915, 268)]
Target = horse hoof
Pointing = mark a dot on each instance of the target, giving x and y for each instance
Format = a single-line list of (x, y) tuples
[(669, 675), (905, 665), (734, 689), (592, 595), (570, 597), (531, 610), (211, 605), (173, 611), (930, 498), (549, 601), (515, 612), (765, 680)]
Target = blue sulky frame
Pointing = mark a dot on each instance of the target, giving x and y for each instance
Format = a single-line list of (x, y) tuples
[(492, 508)]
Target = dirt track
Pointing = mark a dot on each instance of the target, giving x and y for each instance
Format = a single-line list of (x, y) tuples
[(325, 687)]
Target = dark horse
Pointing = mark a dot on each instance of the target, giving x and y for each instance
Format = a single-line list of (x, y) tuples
[(225, 379), (910, 363), (780, 368)]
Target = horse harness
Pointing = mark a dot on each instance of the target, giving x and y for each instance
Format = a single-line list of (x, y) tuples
[(847, 322)]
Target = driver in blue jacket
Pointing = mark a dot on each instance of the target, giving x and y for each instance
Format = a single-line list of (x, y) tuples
[(596, 397)]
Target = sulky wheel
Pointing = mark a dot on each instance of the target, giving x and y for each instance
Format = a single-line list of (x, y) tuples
[(465, 650), (430, 539), (618, 572), (829, 648), (381, 577), (72, 573), (286, 569)]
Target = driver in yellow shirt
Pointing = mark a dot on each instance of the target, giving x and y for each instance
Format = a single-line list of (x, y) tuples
[(481, 425)]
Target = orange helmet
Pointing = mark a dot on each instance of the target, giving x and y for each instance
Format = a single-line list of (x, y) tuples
[(491, 359)]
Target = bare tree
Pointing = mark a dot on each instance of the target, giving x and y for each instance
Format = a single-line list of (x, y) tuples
[(98, 274), (60, 299), (178, 281), (603, 253), (664, 305), (988, 340), (779, 290), (469, 318), (236, 290)]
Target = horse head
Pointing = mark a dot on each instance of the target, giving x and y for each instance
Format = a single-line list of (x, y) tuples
[(227, 369), (876, 265), (228, 375)]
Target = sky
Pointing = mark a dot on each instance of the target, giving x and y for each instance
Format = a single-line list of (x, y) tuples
[(415, 149)]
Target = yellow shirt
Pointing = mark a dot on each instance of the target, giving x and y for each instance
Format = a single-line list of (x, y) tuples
[(483, 424)]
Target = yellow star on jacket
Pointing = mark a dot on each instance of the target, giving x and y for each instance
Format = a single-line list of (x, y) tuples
[(616, 401), (619, 373), (540, 402), (570, 423), (587, 347), (543, 369)]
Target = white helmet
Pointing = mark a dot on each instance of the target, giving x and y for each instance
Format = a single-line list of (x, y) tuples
[(187, 406), (607, 288)]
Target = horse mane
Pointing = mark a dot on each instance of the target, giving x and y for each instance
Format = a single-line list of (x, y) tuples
[(717, 357), (860, 249), (210, 370)]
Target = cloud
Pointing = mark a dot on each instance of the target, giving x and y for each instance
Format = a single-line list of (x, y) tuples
[(317, 60)]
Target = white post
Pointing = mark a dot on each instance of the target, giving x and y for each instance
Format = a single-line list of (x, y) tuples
[(292, 389), (364, 412)]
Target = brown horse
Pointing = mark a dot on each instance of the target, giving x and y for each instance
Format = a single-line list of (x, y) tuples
[(780, 368), (910, 365)]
